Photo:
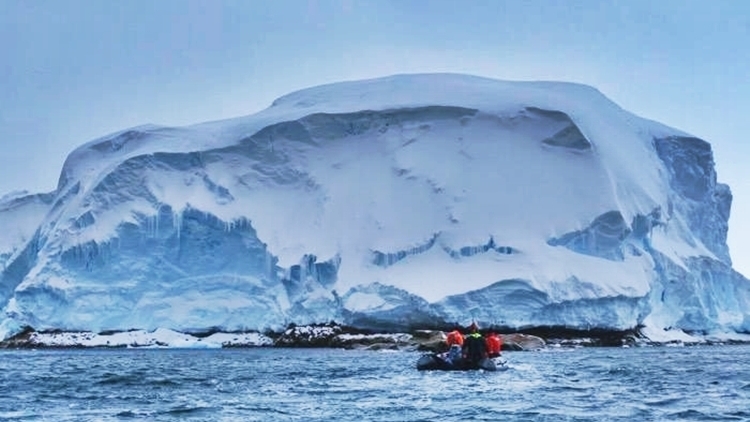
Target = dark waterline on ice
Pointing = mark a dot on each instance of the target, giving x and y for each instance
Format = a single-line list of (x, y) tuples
[(592, 384)]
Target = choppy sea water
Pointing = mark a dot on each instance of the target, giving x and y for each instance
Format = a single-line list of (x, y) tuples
[(593, 384)]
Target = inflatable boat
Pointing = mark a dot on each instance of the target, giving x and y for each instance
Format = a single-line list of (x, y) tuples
[(439, 362)]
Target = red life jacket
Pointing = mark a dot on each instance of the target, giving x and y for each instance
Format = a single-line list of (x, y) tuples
[(494, 344)]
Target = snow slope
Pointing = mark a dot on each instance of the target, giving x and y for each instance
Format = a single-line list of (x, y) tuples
[(405, 201)]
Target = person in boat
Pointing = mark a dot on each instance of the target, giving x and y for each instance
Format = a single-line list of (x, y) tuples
[(454, 338), (474, 348), (455, 341), (494, 345)]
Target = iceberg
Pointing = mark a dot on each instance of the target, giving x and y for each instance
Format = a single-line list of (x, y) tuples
[(411, 201)]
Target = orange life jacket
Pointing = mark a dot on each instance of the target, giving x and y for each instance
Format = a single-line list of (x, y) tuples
[(454, 337)]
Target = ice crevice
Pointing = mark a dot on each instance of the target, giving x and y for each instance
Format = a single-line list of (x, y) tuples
[(387, 259)]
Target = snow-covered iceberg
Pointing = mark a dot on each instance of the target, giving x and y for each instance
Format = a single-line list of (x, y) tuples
[(402, 202)]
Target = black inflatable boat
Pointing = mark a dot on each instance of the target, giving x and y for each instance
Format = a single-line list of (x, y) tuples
[(439, 362)]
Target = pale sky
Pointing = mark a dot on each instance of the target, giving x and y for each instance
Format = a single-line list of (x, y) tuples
[(75, 70)]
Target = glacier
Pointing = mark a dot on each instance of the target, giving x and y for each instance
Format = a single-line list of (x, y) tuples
[(410, 201)]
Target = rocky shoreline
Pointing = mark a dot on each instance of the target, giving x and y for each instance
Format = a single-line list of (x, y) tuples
[(316, 336)]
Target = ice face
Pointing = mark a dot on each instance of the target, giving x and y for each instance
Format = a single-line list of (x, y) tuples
[(394, 203), (704, 203), (21, 215)]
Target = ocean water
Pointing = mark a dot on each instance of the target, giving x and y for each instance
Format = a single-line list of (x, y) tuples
[(706, 383)]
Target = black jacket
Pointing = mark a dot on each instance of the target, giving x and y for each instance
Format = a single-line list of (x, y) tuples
[(474, 348)]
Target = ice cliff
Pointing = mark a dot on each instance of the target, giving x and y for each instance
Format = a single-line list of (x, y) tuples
[(401, 202)]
